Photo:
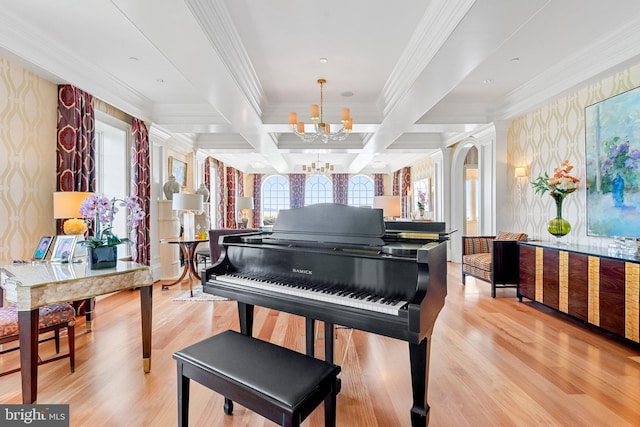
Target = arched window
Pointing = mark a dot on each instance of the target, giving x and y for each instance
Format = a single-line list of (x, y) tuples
[(360, 191), (318, 189), (275, 196)]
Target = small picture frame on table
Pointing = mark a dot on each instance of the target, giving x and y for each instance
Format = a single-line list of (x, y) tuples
[(42, 249), (63, 248)]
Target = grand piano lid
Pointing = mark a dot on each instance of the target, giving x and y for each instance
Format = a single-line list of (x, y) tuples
[(328, 224)]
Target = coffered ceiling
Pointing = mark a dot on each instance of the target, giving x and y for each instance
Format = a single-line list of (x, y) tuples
[(418, 75)]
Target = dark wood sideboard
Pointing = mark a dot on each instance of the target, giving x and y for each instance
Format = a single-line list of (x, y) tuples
[(585, 283)]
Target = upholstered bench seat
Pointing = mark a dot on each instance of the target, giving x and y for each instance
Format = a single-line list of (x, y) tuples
[(280, 384), (478, 265), (51, 318)]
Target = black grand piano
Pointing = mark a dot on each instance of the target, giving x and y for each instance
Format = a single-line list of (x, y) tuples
[(344, 266)]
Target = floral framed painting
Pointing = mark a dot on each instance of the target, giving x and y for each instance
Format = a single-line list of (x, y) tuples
[(422, 195), (612, 137), (178, 168)]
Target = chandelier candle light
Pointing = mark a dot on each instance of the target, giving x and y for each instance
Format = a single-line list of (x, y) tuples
[(322, 131), (317, 168)]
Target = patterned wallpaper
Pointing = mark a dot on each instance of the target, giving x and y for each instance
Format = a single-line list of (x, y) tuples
[(541, 140), (422, 169), (28, 106)]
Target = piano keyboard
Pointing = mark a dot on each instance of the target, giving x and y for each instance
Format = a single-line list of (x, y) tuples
[(333, 295)]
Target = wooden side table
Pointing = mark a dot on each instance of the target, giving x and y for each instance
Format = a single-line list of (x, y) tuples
[(188, 248)]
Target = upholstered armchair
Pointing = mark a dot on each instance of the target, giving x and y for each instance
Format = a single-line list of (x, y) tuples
[(493, 259)]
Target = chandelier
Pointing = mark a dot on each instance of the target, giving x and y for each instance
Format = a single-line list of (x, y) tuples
[(317, 168), (322, 131)]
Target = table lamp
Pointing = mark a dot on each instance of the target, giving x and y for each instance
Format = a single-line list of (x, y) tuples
[(189, 204), (66, 205), (244, 204), (390, 206)]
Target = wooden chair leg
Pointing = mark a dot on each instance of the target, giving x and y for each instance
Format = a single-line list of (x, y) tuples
[(56, 335), (71, 332)]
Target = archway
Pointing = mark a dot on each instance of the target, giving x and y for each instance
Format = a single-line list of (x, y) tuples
[(481, 145)]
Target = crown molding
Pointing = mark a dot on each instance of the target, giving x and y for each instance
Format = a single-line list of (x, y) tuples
[(609, 53), (39, 53), (179, 142), (439, 21), (216, 22)]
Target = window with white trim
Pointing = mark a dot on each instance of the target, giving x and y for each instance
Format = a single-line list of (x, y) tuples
[(275, 196), (360, 192), (318, 189)]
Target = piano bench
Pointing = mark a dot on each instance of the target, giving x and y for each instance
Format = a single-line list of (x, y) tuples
[(277, 383)]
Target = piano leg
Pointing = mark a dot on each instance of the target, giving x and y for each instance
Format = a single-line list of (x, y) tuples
[(419, 357), (245, 314), (328, 342), (310, 325), (311, 338)]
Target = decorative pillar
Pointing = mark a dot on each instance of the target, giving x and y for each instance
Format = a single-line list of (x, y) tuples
[(168, 227)]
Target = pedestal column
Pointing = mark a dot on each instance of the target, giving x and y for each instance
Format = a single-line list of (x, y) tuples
[(168, 227)]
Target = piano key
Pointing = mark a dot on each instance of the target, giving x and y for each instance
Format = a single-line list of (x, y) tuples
[(325, 293)]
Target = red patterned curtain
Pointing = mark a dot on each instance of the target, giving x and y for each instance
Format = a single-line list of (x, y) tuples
[(141, 188), (405, 186), (240, 182), (340, 188), (257, 200), (76, 144), (231, 217), (220, 186), (297, 183), (378, 184), (207, 174), (396, 183)]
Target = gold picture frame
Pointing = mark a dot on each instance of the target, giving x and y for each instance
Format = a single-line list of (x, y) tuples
[(178, 168)]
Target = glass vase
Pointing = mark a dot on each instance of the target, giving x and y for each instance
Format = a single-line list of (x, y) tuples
[(558, 226)]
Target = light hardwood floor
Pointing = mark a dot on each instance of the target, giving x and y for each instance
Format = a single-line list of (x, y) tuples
[(494, 362)]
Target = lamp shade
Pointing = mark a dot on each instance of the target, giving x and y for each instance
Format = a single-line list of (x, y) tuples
[(187, 202), (390, 205), (244, 203), (66, 204), (520, 172)]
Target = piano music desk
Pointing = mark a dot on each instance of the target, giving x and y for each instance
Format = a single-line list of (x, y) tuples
[(188, 248)]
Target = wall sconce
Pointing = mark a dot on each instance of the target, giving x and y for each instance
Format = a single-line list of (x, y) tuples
[(521, 176)]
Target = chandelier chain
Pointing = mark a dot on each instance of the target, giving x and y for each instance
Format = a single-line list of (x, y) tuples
[(321, 100)]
